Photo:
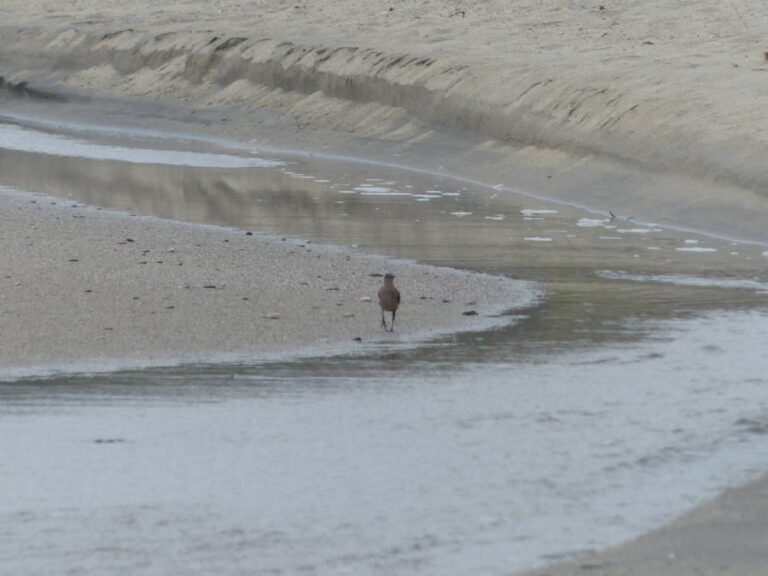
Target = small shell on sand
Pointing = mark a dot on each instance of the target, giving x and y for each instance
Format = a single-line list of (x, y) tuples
[(272, 316)]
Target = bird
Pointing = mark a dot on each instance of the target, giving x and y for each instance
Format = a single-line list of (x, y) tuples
[(389, 300)]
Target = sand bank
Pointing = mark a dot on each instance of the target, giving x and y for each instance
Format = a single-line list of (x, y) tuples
[(88, 289), (651, 109)]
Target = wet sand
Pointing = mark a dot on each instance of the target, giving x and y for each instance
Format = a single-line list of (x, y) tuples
[(598, 105), (724, 536)]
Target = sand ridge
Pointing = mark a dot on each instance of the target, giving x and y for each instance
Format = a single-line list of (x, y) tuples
[(649, 109), (676, 86)]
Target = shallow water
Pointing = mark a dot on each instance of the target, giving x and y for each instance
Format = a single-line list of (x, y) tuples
[(637, 390)]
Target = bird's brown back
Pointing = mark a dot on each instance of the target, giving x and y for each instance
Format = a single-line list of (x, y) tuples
[(389, 298)]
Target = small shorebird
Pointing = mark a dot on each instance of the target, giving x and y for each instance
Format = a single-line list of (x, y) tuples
[(389, 300)]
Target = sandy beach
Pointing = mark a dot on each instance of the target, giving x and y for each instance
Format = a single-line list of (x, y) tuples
[(651, 109), (88, 290), (600, 104)]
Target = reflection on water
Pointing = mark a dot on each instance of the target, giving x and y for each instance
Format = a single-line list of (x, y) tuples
[(13, 137), (589, 263)]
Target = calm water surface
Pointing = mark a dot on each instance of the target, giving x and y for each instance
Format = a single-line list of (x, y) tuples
[(635, 391)]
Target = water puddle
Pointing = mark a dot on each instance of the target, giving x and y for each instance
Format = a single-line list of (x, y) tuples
[(18, 138)]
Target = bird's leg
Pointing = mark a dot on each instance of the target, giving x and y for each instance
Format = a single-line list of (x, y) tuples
[(392, 327), (383, 321)]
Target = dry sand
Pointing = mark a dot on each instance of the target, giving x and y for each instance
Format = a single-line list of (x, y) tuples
[(88, 289), (651, 107)]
